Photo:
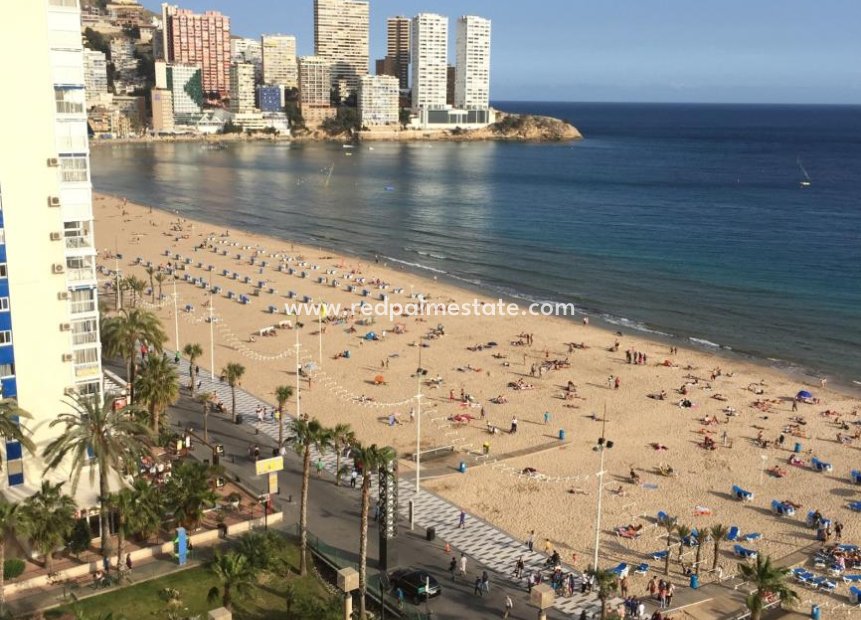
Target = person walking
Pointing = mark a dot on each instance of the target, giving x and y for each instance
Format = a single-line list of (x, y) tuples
[(353, 476), (461, 522), (476, 591), (671, 589), (463, 564), (485, 582), (530, 540), (452, 568), (518, 567), (509, 605), (399, 594)]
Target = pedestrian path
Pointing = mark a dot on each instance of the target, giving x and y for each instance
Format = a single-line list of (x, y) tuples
[(479, 540)]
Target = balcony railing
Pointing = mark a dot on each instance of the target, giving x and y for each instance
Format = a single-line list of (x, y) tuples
[(70, 4), (78, 275), (91, 369), (79, 242), (85, 338), (82, 307)]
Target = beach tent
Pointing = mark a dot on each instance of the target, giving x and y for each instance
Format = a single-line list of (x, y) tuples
[(803, 394)]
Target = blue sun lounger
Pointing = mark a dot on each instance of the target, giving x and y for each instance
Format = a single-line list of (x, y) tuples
[(820, 465), (741, 494), (852, 578), (782, 509), (855, 594), (732, 534), (751, 537), (660, 555), (621, 570), (744, 552), (642, 569), (848, 548), (855, 506), (856, 476)]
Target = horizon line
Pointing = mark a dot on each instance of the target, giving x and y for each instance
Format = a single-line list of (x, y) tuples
[(704, 103)]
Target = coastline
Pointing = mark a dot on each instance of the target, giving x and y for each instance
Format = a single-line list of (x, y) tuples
[(500, 492)]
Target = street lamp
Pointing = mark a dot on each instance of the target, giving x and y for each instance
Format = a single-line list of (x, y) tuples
[(348, 580), (602, 446)]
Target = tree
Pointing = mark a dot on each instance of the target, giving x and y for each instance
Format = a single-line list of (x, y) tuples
[(718, 533), (157, 386), (259, 548), (160, 277), (233, 374), (122, 333), (80, 538), (669, 524), (307, 435), (282, 395), (606, 583), (123, 503), (145, 516), (8, 525), (189, 492), (97, 41), (137, 287), (150, 271), (342, 436), (10, 427), (701, 539), (683, 532), (192, 351), (205, 399), (770, 581), (97, 437), (235, 574), (373, 459), (47, 518)]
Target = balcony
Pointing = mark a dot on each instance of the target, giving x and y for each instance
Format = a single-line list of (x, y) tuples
[(87, 371), (76, 243), (67, 4), (80, 275)]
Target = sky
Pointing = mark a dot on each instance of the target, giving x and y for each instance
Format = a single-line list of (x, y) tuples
[(731, 51)]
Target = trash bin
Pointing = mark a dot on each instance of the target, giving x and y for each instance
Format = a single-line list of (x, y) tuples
[(238, 419), (462, 467), (695, 582), (561, 434), (815, 612), (430, 534), (797, 449)]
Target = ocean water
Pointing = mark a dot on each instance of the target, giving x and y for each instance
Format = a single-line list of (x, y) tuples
[(686, 220)]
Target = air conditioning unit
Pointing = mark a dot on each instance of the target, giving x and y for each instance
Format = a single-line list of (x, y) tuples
[(69, 391), (57, 268), (53, 201), (63, 295), (64, 327), (53, 162), (55, 236), (68, 357)]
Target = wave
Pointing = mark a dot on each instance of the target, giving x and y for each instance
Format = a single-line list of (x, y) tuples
[(635, 325), (416, 265), (708, 343)]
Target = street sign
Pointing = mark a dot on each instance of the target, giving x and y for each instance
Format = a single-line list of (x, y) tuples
[(267, 466), (273, 483)]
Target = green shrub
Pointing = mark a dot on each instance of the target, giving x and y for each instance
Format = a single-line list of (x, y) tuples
[(13, 567)]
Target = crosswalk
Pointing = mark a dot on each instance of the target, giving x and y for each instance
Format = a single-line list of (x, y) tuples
[(478, 540)]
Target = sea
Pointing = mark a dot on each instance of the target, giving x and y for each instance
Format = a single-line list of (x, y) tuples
[(686, 222)]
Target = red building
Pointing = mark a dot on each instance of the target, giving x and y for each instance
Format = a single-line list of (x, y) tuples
[(199, 39)]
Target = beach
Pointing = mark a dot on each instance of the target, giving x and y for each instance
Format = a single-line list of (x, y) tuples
[(531, 479)]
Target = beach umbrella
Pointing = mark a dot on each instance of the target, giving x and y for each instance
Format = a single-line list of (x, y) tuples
[(804, 394)]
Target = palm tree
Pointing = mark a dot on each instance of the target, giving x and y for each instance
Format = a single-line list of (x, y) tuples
[(145, 516), (205, 398), (683, 532), (701, 539), (342, 436), (606, 583), (769, 581), (8, 525), (160, 277), (192, 351), (123, 504), (122, 333), (718, 533), (137, 287), (307, 435), (158, 386), (115, 440), (189, 492), (374, 459), (47, 518), (669, 524), (235, 574), (150, 271), (282, 395), (233, 373), (11, 429)]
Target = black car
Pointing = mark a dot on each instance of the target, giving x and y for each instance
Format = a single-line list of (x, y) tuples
[(417, 585)]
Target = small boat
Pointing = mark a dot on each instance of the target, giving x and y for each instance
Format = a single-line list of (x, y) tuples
[(347, 146), (806, 182)]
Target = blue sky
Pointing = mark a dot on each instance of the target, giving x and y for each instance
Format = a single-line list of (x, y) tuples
[(751, 51)]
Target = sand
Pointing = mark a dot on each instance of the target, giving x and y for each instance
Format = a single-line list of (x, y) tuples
[(497, 490)]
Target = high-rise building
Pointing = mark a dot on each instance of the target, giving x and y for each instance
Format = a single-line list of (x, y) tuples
[(378, 100), (199, 39), (125, 64), (341, 37), (270, 98), (162, 110), (186, 85), (398, 48), (241, 88), (315, 84), (451, 75), (279, 60), (95, 75), (429, 56), (248, 50), (49, 321), (472, 77)]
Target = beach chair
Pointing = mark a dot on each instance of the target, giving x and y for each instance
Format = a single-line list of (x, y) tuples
[(803, 575), (848, 548), (662, 516), (732, 535), (781, 509), (621, 570), (659, 555), (820, 465), (744, 552), (855, 595), (855, 476), (828, 586), (642, 569), (851, 578), (752, 537), (855, 506), (834, 570), (741, 494)]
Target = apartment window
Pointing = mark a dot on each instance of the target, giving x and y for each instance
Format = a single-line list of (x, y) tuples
[(69, 100), (2, 235), (73, 169), (7, 370), (87, 356), (4, 304), (91, 389), (85, 332), (3, 271), (83, 300), (5, 337), (14, 468)]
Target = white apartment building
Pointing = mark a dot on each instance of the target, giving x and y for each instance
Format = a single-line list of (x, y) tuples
[(95, 75), (186, 84), (241, 88), (314, 82), (341, 34), (125, 63), (279, 60), (472, 72), (248, 50), (49, 321), (429, 57), (378, 100)]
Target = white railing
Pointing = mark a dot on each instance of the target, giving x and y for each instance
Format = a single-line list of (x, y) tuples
[(79, 242), (71, 4), (77, 275), (87, 370)]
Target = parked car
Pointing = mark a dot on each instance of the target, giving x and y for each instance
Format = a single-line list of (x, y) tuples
[(417, 585)]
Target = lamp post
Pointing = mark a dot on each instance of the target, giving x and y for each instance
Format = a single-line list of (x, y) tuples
[(348, 580), (175, 315), (419, 423), (602, 446)]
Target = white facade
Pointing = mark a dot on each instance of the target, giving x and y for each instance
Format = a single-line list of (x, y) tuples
[(378, 100), (95, 75), (124, 61), (185, 82), (242, 88), (279, 60), (472, 72), (314, 82), (248, 50), (429, 56), (341, 35), (48, 276)]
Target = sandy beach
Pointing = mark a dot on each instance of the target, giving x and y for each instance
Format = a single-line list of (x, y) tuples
[(556, 494)]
